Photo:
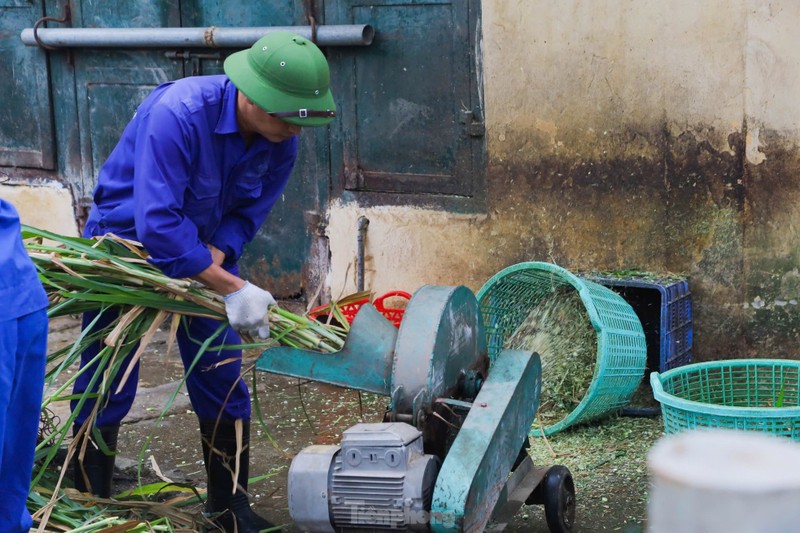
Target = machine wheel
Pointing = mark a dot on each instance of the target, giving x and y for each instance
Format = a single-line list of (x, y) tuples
[(559, 499)]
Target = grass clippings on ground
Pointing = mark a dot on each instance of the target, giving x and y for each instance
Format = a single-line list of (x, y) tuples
[(608, 462)]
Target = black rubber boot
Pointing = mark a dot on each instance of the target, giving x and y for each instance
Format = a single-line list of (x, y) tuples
[(97, 467), (231, 511)]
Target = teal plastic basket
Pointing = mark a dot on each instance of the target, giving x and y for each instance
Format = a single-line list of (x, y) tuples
[(747, 394), (509, 296)]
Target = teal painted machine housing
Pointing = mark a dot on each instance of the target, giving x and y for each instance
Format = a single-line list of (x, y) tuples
[(440, 340), (468, 486), (364, 363), (441, 334)]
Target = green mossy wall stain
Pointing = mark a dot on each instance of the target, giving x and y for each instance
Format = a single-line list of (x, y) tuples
[(684, 202)]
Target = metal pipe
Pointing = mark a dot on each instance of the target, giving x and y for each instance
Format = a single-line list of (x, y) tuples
[(363, 222), (210, 37)]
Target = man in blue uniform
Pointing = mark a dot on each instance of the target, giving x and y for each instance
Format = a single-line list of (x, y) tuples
[(192, 179), (23, 351)]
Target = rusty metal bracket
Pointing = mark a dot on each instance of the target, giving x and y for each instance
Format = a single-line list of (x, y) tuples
[(194, 58), (67, 17), (311, 15), (472, 119)]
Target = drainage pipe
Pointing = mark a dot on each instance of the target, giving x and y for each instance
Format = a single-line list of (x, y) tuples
[(210, 37), (363, 223)]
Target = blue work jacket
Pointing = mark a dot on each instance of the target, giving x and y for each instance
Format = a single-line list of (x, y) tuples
[(20, 289), (182, 177)]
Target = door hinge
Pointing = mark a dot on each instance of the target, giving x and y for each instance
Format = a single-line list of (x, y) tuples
[(473, 121)]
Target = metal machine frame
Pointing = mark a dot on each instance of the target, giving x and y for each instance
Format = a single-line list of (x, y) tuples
[(473, 417)]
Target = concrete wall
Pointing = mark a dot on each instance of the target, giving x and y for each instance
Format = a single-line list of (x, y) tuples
[(648, 134), (42, 204)]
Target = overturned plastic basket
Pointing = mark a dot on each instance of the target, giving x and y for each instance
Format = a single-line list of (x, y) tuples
[(747, 394), (509, 296)]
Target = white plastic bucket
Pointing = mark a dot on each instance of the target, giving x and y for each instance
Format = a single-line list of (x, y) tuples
[(724, 481)]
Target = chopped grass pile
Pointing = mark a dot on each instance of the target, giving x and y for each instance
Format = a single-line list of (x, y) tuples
[(559, 330)]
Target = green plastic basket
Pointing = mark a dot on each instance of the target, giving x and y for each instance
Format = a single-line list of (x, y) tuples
[(509, 296), (748, 394)]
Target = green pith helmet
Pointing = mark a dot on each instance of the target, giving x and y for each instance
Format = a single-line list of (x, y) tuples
[(287, 76)]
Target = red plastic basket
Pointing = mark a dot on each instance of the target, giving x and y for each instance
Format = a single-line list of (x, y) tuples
[(349, 310), (393, 314)]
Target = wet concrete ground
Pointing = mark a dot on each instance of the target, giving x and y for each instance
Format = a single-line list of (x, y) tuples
[(296, 415)]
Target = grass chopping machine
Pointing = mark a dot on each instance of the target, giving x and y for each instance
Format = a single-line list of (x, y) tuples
[(450, 454)]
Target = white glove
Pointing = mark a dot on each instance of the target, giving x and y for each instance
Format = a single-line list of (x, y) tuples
[(247, 310)]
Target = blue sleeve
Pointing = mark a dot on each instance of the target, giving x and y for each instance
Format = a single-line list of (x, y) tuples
[(240, 227), (20, 289), (161, 176)]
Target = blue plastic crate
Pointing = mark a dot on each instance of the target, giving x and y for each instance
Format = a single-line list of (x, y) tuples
[(664, 307)]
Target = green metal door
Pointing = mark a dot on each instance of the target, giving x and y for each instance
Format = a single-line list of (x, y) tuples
[(110, 83), (26, 128), (411, 127)]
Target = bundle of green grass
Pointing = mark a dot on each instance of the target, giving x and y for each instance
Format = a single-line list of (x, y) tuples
[(558, 328), (113, 274)]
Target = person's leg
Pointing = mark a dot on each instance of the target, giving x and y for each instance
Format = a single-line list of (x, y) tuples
[(222, 401), (214, 383), (113, 406), (229, 508), (94, 473), (23, 352)]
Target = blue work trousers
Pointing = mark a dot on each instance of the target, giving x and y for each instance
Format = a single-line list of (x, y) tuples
[(215, 390), (23, 353)]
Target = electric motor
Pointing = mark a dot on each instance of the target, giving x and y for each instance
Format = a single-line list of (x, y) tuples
[(379, 478)]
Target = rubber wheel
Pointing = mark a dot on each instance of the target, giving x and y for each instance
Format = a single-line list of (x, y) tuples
[(559, 499)]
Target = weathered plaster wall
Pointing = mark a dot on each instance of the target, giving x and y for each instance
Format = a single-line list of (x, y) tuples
[(46, 205), (406, 248), (650, 134)]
